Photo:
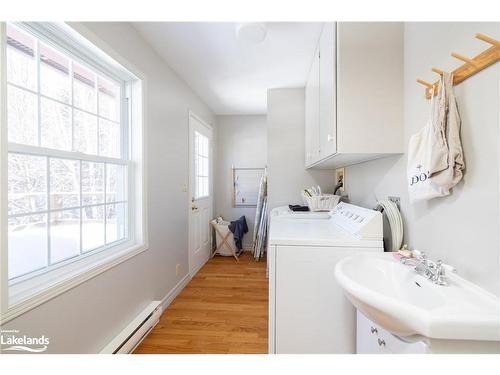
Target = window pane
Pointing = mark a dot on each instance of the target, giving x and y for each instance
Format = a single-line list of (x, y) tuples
[(27, 183), (109, 138), (92, 183), (21, 59), (22, 116), (64, 235), (115, 222), (204, 162), (204, 186), (109, 100), (56, 125), (92, 227), (64, 183), (54, 74), (85, 132), (27, 244), (115, 182), (84, 89), (204, 146), (196, 143)]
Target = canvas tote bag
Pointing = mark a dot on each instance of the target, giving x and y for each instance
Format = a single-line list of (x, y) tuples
[(428, 152)]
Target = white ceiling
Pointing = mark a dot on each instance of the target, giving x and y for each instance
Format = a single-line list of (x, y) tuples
[(231, 76)]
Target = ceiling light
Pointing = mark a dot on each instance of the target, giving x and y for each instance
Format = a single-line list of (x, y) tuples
[(251, 32)]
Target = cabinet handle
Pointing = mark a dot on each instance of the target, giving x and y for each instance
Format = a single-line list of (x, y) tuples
[(373, 330), (381, 342), (330, 138)]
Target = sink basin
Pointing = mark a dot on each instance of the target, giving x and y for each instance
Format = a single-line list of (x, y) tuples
[(406, 304)]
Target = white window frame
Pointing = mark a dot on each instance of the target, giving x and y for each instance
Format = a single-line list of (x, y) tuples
[(82, 46)]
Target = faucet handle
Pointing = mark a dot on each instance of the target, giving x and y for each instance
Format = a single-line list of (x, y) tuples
[(422, 257), (439, 276), (439, 267)]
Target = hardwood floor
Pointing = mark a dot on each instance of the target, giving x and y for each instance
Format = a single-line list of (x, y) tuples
[(222, 310)]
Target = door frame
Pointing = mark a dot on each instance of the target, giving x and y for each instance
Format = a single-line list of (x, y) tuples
[(209, 126)]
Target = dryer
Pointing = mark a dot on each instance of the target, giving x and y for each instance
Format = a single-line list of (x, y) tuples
[(308, 312)]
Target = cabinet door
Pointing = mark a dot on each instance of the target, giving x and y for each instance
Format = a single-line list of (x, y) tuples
[(312, 315), (327, 91), (312, 112)]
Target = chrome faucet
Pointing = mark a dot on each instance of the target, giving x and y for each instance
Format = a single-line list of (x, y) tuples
[(433, 271)]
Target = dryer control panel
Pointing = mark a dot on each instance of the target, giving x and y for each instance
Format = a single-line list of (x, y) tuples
[(361, 222)]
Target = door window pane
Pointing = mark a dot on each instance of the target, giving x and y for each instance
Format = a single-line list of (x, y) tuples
[(56, 125), (64, 235), (109, 100), (22, 116), (115, 182), (54, 74), (92, 228), (27, 183), (27, 244), (84, 89), (115, 222), (64, 183), (201, 165), (21, 58), (109, 138), (92, 183), (85, 132)]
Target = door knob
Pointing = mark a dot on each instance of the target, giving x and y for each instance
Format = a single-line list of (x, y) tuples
[(194, 207)]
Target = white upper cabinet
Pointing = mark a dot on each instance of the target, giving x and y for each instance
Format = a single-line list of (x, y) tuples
[(312, 95), (327, 92), (360, 94)]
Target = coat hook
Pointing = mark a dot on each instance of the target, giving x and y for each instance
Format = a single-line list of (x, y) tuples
[(487, 39), (463, 58), (438, 71), (426, 84)]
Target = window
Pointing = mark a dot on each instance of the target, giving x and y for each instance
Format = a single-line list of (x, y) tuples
[(70, 169), (201, 152)]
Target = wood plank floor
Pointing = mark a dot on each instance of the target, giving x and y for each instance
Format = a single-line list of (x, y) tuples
[(222, 310)]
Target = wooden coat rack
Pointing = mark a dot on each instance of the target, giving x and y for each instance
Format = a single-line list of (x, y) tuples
[(470, 66)]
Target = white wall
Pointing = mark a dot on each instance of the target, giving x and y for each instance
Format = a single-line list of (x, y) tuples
[(242, 142), (462, 229), (86, 318), (285, 149)]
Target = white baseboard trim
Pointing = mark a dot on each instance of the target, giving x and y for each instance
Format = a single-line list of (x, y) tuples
[(133, 334), (164, 303), (174, 292)]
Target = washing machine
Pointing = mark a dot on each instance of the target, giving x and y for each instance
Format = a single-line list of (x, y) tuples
[(308, 312)]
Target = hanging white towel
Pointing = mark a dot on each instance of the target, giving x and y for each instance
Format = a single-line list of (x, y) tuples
[(435, 157), (450, 127)]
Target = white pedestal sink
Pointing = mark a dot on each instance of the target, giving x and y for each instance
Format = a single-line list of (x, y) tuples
[(459, 317)]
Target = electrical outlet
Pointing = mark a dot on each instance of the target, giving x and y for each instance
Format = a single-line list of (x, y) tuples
[(340, 175), (177, 269)]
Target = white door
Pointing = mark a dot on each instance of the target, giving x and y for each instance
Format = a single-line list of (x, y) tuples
[(200, 192)]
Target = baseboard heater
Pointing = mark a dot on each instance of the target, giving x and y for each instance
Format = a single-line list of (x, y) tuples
[(133, 334)]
